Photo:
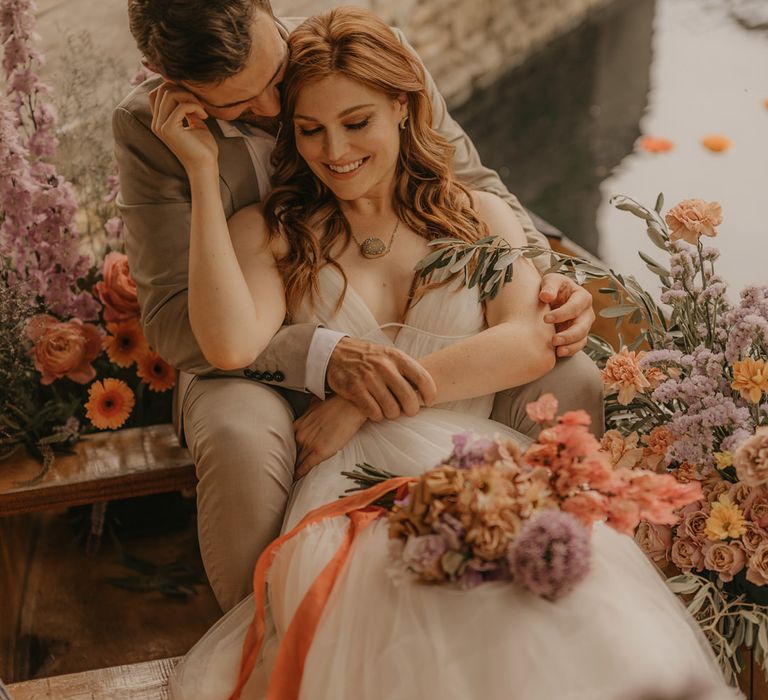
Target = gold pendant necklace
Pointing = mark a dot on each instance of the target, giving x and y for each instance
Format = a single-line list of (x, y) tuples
[(373, 246)]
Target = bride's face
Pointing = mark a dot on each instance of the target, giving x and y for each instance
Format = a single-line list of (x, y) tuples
[(349, 136)]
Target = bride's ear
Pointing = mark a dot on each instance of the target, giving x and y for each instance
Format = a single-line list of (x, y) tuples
[(401, 105)]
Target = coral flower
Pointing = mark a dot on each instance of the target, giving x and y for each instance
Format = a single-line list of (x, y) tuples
[(693, 218), (653, 144), (117, 290), (725, 520), (622, 373), (110, 402), (125, 343), (543, 410), (716, 143), (156, 372), (750, 379)]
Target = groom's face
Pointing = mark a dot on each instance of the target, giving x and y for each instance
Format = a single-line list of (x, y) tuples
[(253, 93)]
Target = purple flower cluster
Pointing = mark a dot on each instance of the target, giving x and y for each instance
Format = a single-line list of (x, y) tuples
[(38, 235), (470, 450), (747, 323), (550, 555)]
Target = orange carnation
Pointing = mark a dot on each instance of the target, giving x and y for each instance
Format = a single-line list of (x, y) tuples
[(623, 374), (716, 143), (125, 343), (693, 218), (156, 372), (652, 144), (110, 402), (750, 378)]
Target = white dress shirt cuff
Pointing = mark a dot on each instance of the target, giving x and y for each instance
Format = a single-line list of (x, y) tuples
[(320, 349)]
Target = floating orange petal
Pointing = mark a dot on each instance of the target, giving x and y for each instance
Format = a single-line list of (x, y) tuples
[(654, 144), (125, 343), (716, 143), (765, 103), (110, 402), (156, 372)]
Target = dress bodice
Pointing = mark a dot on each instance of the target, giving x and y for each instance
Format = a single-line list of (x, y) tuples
[(444, 315)]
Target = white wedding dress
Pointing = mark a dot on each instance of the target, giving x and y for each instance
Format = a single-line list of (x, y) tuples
[(621, 635)]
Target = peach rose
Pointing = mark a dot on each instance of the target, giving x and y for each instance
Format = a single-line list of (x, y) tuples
[(726, 558), (757, 570), (622, 451), (117, 290), (740, 492), (693, 218), (714, 487), (622, 374), (753, 537), (756, 506), (694, 525), (654, 540), (63, 348), (751, 459), (686, 555)]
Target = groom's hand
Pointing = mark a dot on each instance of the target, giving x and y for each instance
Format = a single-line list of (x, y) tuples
[(570, 310), (380, 380)]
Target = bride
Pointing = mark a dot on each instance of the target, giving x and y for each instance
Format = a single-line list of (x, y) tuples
[(362, 183)]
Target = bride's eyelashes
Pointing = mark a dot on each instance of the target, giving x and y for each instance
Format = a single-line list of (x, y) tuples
[(356, 126)]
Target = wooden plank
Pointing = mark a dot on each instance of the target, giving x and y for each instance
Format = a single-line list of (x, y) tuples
[(143, 681), (104, 466)]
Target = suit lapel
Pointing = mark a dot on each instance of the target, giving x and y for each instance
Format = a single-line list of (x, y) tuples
[(236, 169)]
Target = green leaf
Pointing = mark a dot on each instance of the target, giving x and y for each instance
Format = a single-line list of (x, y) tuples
[(659, 203), (617, 311)]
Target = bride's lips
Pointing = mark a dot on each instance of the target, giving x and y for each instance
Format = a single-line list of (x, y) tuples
[(349, 174)]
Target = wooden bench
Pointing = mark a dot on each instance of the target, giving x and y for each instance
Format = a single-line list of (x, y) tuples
[(143, 681), (104, 467)]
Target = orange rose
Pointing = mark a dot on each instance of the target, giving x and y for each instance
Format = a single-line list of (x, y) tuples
[(693, 218), (117, 290), (63, 348)]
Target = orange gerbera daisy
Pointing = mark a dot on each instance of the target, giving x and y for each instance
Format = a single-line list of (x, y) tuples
[(110, 402), (125, 343), (156, 372), (654, 144)]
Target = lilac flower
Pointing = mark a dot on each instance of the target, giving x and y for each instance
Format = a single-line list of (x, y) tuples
[(422, 555), (470, 450), (550, 555)]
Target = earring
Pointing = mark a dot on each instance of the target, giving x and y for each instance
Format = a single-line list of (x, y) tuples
[(403, 122)]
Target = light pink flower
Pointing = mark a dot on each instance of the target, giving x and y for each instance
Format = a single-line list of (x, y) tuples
[(63, 349), (725, 558), (623, 374), (623, 515), (693, 218), (543, 410), (751, 458)]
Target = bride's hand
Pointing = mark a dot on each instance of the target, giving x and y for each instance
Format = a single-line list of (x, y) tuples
[(571, 312), (323, 430), (177, 120)]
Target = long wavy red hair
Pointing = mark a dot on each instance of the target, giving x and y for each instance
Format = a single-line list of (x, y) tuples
[(357, 45)]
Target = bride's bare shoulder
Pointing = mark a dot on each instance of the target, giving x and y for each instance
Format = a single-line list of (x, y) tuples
[(249, 229), (498, 216)]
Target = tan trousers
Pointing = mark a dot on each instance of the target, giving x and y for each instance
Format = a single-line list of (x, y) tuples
[(241, 438)]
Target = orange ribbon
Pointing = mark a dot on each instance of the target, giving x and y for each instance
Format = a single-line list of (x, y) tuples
[(285, 681)]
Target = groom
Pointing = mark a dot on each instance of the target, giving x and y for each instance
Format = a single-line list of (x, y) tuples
[(229, 57)]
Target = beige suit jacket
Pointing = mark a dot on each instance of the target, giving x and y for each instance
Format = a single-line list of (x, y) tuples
[(154, 203)]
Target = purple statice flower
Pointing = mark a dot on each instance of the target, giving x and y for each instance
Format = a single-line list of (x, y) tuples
[(471, 450), (451, 530), (422, 555), (550, 555)]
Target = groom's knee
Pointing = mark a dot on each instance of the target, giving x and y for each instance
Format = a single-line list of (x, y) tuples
[(575, 381)]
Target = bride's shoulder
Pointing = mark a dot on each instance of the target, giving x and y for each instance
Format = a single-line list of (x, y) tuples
[(498, 216), (248, 227)]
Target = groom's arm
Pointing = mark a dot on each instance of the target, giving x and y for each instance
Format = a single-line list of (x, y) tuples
[(154, 203)]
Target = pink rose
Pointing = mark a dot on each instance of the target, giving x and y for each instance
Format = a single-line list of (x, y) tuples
[(725, 558), (757, 571), (117, 290), (751, 458), (687, 555), (654, 540), (63, 348), (543, 410), (693, 218), (756, 506)]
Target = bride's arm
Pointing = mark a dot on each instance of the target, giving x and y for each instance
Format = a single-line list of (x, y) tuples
[(516, 348), (235, 298)]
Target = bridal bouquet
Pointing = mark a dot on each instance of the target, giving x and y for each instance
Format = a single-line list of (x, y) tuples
[(492, 512)]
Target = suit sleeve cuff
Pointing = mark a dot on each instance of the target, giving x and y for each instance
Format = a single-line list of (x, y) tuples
[(323, 343)]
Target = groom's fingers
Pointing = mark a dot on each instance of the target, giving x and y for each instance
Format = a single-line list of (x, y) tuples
[(384, 398)]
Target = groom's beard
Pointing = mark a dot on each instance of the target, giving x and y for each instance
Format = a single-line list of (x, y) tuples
[(269, 124)]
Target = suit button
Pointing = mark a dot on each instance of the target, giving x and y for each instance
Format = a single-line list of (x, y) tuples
[(267, 376), (248, 373), (278, 376)]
